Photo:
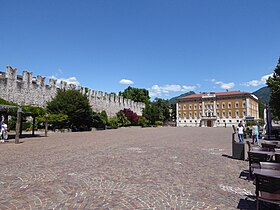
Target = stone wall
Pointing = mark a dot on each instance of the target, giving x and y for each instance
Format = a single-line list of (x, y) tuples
[(29, 90)]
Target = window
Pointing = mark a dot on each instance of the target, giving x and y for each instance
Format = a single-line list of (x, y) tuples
[(200, 106), (200, 114), (179, 107), (190, 115), (244, 105), (236, 104), (195, 114), (229, 105), (185, 121), (224, 120), (179, 121), (244, 113), (190, 107), (185, 114), (224, 105), (194, 107), (180, 114), (218, 114), (184, 107), (237, 114), (229, 113), (229, 120), (218, 105), (190, 121), (224, 114)]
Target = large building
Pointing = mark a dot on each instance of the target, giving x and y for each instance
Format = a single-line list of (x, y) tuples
[(216, 109)]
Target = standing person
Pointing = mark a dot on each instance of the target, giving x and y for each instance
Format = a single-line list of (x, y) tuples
[(240, 130), (255, 133)]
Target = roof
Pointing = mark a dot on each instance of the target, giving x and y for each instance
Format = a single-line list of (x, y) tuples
[(229, 93)]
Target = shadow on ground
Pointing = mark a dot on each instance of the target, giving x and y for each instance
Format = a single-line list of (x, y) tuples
[(245, 175), (11, 138), (248, 203)]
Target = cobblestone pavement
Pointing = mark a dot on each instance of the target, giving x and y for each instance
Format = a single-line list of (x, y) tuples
[(127, 168)]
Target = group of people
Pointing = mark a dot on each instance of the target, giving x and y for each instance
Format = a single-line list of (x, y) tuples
[(255, 132)]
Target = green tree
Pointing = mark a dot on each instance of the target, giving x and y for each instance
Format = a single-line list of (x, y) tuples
[(173, 112), (152, 113), (136, 94), (97, 121), (274, 84), (158, 110), (73, 104), (164, 107)]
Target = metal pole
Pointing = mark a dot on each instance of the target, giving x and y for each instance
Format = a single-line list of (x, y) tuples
[(33, 126), (46, 125), (18, 124)]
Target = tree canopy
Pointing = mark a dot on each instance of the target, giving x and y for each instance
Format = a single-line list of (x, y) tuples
[(136, 94), (73, 104), (274, 84), (158, 110)]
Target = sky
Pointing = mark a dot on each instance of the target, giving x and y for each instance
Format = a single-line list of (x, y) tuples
[(166, 46)]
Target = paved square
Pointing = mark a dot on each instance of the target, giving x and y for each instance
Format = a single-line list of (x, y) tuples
[(127, 168)]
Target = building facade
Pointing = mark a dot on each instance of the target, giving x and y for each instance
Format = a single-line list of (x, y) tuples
[(220, 109)]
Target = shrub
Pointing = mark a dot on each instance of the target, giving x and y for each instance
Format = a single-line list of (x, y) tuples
[(143, 121), (131, 116), (113, 121), (122, 119), (158, 123), (55, 121)]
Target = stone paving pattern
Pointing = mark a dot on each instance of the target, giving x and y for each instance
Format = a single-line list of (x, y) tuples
[(126, 168)]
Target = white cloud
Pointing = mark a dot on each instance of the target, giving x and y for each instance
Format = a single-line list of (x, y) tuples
[(157, 90), (223, 85), (255, 83), (227, 85), (70, 80), (126, 82)]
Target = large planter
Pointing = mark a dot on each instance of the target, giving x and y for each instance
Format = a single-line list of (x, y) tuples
[(238, 149)]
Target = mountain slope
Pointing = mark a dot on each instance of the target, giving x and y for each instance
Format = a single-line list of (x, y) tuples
[(173, 100), (263, 94)]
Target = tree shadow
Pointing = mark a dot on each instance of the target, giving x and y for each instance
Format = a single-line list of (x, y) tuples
[(23, 136)]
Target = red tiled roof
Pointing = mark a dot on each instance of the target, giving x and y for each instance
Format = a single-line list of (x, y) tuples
[(217, 94)]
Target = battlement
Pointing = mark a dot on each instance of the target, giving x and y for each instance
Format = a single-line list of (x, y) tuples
[(28, 90)]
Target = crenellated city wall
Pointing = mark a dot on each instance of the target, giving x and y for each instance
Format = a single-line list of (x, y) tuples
[(29, 90)]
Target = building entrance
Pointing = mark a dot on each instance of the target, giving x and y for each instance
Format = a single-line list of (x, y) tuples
[(209, 123)]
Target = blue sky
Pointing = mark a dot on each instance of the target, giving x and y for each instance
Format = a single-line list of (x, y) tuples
[(166, 46)]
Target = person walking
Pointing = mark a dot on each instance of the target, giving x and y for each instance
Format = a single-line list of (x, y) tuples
[(255, 133), (240, 130)]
